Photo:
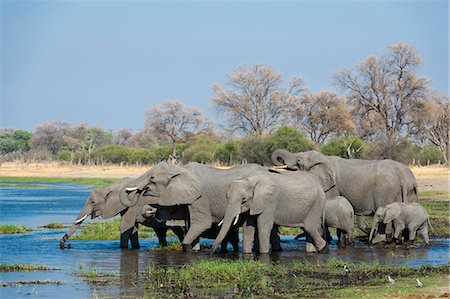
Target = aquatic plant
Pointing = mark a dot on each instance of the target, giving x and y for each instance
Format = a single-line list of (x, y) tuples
[(13, 229)]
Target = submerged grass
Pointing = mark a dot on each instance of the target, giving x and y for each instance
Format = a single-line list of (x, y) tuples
[(55, 225), (24, 267), (171, 246), (13, 229), (227, 278), (95, 182)]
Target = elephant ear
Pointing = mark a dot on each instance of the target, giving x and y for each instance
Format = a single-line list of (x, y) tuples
[(323, 168), (392, 212), (183, 189), (264, 193)]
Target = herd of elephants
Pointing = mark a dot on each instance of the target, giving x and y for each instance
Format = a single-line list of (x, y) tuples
[(308, 190)]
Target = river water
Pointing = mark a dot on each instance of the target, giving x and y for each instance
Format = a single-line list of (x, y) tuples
[(37, 206)]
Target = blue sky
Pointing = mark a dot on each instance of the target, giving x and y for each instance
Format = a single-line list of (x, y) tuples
[(104, 63)]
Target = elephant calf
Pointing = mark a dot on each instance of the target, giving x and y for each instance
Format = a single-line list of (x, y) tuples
[(339, 214), (410, 216)]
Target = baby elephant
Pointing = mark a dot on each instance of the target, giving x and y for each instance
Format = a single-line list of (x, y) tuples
[(410, 216), (339, 214)]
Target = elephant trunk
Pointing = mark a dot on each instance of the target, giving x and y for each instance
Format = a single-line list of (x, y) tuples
[(231, 213), (282, 157), (84, 213), (372, 231), (129, 196)]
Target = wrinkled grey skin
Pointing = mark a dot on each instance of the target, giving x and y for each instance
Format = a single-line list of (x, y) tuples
[(367, 184), (292, 199), (200, 188), (105, 202), (410, 216), (340, 215)]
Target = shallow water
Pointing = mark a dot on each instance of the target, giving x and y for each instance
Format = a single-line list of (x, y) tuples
[(35, 207)]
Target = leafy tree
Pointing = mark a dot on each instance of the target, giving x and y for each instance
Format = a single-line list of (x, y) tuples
[(349, 147), (255, 100), (255, 149), (14, 141), (290, 139), (227, 152), (202, 150)]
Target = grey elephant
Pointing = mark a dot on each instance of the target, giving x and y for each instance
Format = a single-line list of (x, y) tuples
[(339, 214), (292, 199), (105, 202), (200, 188), (410, 216), (367, 184)]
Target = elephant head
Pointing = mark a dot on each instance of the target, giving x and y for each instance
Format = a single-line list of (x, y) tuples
[(385, 214), (166, 185), (252, 195), (102, 202), (312, 161)]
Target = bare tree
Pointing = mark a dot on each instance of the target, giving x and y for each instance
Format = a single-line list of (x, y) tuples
[(255, 102), (383, 89), (175, 122), (323, 115), (430, 122), (52, 136), (122, 135)]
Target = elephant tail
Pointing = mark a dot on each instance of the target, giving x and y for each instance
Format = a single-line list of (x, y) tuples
[(429, 225)]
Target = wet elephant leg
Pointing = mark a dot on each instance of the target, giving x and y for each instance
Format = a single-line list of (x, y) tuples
[(249, 235), (161, 233), (124, 237), (179, 232), (134, 239), (381, 235), (275, 239)]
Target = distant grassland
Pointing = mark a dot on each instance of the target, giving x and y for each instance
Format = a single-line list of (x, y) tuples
[(94, 182)]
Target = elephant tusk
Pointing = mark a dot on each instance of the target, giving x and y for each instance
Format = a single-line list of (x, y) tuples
[(220, 223), (131, 189), (78, 221), (236, 220)]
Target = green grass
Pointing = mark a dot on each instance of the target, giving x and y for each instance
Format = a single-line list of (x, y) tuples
[(95, 182), (24, 267), (108, 230), (434, 194), (24, 185), (55, 225), (13, 229), (22, 282), (225, 278), (171, 246)]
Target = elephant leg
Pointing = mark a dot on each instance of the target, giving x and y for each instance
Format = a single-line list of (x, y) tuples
[(424, 233), (161, 233), (381, 235), (275, 239), (134, 239), (124, 237), (234, 239), (310, 248), (389, 232), (361, 221), (412, 234), (249, 235), (316, 237), (265, 225), (340, 237), (179, 232)]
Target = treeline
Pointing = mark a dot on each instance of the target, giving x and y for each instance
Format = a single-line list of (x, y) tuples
[(23, 146), (384, 111)]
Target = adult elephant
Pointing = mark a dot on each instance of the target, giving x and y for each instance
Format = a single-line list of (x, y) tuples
[(105, 202), (367, 184), (292, 199), (200, 188)]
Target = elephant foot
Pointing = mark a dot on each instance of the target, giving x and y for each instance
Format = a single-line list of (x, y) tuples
[(388, 238), (324, 249), (379, 238), (196, 247), (310, 248), (187, 247)]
